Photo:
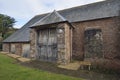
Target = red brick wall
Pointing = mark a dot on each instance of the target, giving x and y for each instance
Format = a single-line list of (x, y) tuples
[(109, 33)]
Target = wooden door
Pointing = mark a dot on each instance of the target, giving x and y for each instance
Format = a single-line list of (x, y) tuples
[(47, 45), (12, 50), (25, 50)]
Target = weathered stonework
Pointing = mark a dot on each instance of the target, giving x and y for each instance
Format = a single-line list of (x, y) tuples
[(18, 48), (63, 43), (68, 45), (6, 47), (109, 30), (33, 43), (64, 39)]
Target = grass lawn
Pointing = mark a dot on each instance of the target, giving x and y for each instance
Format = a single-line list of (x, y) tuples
[(9, 70)]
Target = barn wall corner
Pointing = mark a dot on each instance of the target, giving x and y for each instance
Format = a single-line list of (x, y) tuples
[(33, 37)]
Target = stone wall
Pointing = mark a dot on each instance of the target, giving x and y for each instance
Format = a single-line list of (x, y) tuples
[(64, 40), (68, 42), (109, 34), (63, 43), (109, 29), (33, 43), (18, 48), (6, 47)]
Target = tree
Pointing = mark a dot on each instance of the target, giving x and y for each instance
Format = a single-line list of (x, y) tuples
[(6, 22), (6, 25)]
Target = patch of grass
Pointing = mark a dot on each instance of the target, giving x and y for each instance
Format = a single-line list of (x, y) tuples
[(11, 71)]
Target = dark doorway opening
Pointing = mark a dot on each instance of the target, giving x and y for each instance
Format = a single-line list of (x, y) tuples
[(93, 43)]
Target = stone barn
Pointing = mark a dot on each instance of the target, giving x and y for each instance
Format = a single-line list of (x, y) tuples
[(88, 31)]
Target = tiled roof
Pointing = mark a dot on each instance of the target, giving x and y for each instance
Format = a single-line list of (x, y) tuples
[(104, 9)]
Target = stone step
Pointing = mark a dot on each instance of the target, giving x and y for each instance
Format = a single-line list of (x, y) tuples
[(20, 58), (76, 65)]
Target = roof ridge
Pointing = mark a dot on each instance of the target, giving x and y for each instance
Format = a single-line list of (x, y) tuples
[(75, 7), (54, 14), (60, 15), (103, 9)]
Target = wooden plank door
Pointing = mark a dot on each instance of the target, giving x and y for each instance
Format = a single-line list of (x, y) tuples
[(12, 50), (47, 45), (52, 45), (43, 36), (25, 50)]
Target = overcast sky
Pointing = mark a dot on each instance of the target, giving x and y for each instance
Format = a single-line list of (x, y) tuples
[(24, 10)]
